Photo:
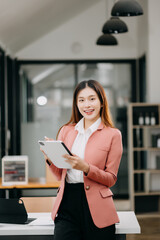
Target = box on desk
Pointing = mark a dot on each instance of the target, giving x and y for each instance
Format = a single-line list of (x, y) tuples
[(14, 170)]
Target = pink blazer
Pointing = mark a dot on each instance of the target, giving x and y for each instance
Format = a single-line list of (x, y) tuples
[(103, 154)]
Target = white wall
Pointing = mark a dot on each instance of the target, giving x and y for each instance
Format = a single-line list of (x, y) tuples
[(76, 38), (153, 54), (142, 29)]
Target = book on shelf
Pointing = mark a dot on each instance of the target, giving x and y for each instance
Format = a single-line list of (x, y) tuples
[(139, 182), (154, 182), (138, 138), (147, 181), (140, 160), (158, 162), (151, 162)]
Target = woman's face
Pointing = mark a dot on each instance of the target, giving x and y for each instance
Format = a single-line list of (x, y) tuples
[(89, 104)]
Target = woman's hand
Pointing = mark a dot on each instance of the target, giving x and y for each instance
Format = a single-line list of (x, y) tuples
[(77, 163), (45, 156), (48, 139)]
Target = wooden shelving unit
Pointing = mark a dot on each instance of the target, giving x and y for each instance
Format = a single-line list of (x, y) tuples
[(144, 157)]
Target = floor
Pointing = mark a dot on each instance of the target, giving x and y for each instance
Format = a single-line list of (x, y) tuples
[(150, 229)]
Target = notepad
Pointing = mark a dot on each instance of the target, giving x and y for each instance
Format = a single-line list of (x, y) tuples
[(54, 151), (42, 221)]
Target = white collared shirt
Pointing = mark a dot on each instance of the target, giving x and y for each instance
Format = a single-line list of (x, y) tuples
[(78, 148)]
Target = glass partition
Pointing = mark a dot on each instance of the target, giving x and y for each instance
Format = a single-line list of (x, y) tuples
[(46, 105), (47, 91), (116, 80)]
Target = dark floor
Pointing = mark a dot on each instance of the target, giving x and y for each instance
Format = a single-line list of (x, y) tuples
[(150, 229)]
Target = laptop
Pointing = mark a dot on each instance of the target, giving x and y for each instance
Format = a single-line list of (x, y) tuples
[(13, 211)]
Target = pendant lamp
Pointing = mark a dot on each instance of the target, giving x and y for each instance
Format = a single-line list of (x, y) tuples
[(115, 25), (126, 8), (106, 39)]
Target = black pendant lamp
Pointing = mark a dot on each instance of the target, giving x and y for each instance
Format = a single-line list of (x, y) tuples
[(106, 39), (126, 8), (114, 25)]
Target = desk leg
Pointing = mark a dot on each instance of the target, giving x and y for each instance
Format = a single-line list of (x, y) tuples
[(120, 236), (13, 193), (7, 193)]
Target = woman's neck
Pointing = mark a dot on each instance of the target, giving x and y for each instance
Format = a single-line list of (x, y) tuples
[(88, 123)]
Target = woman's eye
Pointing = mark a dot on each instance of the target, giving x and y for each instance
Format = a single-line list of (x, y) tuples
[(92, 99), (81, 100)]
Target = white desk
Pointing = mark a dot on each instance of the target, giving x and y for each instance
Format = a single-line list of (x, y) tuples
[(128, 225)]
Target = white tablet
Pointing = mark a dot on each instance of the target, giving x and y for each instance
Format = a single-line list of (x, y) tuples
[(54, 151)]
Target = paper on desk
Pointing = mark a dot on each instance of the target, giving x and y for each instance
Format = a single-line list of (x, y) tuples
[(42, 221)]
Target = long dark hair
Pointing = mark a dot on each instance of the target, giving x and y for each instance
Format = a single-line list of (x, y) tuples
[(104, 112)]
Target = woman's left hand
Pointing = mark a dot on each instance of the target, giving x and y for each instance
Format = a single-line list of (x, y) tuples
[(77, 163)]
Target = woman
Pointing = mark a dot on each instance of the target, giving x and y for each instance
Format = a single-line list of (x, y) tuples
[(84, 207)]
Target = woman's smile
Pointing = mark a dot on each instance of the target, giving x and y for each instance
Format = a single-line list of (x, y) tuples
[(89, 111)]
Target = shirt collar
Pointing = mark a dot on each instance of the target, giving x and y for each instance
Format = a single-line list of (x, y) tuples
[(80, 126), (95, 125)]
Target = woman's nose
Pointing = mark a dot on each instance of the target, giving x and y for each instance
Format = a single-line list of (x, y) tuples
[(87, 103)]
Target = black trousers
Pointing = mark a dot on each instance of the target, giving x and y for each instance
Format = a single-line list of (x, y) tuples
[(74, 221)]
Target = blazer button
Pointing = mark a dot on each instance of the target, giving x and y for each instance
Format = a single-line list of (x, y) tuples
[(87, 187)]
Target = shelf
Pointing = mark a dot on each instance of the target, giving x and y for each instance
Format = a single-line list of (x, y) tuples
[(147, 193), (147, 171), (146, 149), (144, 157), (146, 126), (148, 215), (137, 104)]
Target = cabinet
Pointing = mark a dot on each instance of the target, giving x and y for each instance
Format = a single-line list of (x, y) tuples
[(144, 157)]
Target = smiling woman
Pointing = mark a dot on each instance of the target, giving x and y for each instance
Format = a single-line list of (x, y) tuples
[(84, 191), (56, 82)]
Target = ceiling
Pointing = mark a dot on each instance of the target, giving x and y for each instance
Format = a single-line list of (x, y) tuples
[(24, 21)]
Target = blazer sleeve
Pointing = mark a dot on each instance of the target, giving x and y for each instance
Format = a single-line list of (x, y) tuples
[(108, 176), (58, 171)]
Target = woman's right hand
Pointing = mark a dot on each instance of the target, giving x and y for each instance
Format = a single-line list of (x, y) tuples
[(45, 156)]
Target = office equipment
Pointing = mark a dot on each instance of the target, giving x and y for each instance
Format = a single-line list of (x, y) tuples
[(54, 150), (14, 170), (12, 211)]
